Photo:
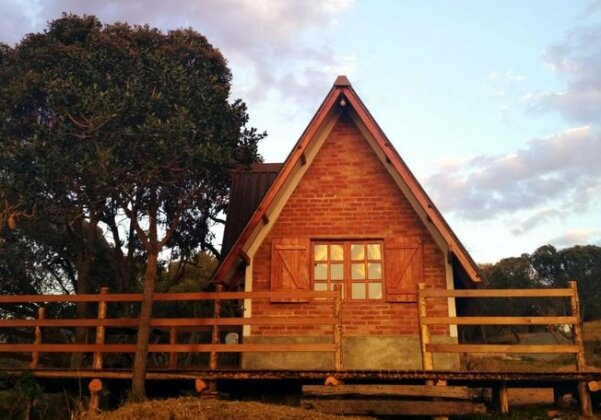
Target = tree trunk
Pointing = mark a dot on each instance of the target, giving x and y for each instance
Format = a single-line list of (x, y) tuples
[(138, 391), (84, 268)]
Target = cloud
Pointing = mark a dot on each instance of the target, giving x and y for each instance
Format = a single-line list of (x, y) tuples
[(576, 237), (577, 60), (538, 218), (283, 44), (562, 167)]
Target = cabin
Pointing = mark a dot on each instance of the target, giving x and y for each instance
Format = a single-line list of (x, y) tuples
[(337, 267), (342, 212)]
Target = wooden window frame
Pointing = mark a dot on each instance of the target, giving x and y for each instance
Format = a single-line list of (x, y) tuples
[(347, 263)]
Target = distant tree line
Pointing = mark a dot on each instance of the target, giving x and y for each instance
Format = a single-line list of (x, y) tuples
[(547, 267)]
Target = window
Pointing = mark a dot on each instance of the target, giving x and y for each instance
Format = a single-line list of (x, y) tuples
[(355, 265)]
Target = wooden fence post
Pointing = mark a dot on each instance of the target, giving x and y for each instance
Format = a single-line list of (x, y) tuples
[(35, 355), (215, 332), (424, 332), (100, 330), (338, 362), (95, 388), (583, 392), (172, 354)]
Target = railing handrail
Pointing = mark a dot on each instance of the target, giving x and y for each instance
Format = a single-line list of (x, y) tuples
[(169, 297), (331, 297), (496, 293), (577, 348)]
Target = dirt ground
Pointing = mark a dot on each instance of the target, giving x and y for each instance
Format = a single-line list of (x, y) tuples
[(197, 409)]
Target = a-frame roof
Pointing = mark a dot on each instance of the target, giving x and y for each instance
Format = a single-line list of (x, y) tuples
[(343, 95)]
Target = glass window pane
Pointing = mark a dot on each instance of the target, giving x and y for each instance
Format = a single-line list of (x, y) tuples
[(358, 271), (336, 252), (320, 286), (375, 290), (374, 271), (320, 252), (336, 272), (320, 272), (357, 252), (374, 252), (358, 291)]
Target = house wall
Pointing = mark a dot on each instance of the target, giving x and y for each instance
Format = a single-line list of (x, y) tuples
[(347, 193)]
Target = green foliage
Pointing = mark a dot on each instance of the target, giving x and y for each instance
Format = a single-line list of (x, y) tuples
[(100, 120), (116, 144)]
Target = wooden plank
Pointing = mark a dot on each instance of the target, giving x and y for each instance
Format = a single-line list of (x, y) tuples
[(169, 297), (454, 392), (166, 322), (167, 348), (489, 293), (502, 348), (383, 407), (498, 320)]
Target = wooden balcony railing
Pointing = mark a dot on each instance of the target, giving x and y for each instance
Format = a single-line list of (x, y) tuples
[(173, 325), (574, 320)]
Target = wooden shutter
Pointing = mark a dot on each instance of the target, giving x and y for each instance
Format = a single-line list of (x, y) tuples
[(290, 266), (403, 268)]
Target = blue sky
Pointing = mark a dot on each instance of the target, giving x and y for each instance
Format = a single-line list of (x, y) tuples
[(495, 105)]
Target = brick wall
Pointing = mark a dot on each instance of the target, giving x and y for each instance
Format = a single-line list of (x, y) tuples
[(346, 193)]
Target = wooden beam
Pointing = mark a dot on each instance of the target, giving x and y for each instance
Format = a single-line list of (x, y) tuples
[(167, 348), (454, 392), (386, 407), (488, 293), (538, 379), (502, 348), (166, 297), (166, 322), (498, 320), (265, 218)]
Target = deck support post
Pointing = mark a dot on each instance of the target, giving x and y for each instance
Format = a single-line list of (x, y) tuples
[(35, 356), (213, 356), (501, 397), (338, 362), (97, 362), (425, 339), (584, 395), (95, 388), (172, 341), (424, 332)]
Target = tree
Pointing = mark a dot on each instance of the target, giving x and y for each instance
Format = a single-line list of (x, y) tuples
[(115, 121)]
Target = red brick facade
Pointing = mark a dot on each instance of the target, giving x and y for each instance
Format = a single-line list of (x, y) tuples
[(347, 193)]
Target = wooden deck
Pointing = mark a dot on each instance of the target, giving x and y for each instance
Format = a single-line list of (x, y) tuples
[(546, 378), (172, 370)]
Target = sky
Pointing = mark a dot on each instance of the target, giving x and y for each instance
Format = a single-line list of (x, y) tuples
[(494, 105)]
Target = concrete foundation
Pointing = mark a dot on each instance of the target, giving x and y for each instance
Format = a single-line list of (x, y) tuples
[(374, 352)]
